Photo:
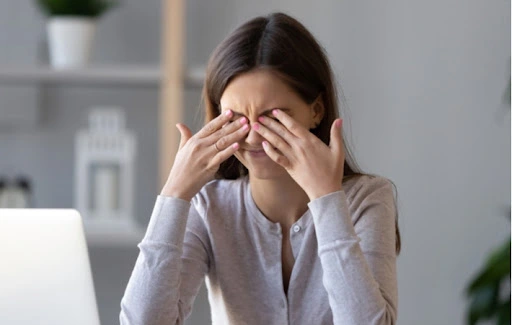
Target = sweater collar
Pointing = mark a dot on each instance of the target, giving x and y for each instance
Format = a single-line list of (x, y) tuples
[(274, 227)]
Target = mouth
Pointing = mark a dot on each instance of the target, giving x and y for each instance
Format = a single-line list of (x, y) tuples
[(257, 153)]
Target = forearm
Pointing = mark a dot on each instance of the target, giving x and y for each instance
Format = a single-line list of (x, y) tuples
[(351, 277), (152, 293)]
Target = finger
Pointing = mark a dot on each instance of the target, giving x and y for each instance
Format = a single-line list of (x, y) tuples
[(226, 130), (222, 155), (293, 126), (231, 138), (215, 124), (185, 134), (336, 141), (277, 128), (275, 156), (272, 137)]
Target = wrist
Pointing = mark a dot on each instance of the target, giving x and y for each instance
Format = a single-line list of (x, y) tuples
[(171, 191), (323, 192)]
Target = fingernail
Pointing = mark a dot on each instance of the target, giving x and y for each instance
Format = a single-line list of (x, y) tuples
[(256, 126), (228, 112), (261, 119), (243, 120), (274, 112), (338, 123), (265, 143), (245, 127)]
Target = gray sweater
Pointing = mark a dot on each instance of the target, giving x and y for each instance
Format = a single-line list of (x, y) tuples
[(344, 250)]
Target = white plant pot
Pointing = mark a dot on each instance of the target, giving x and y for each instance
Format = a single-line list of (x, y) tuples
[(70, 41)]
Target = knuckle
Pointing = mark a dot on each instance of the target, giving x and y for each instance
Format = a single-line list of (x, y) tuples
[(294, 128), (303, 143), (229, 128), (212, 165), (237, 126), (196, 146), (282, 143), (209, 128), (305, 148), (232, 127), (203, 164), (205, 161), (222, 143)]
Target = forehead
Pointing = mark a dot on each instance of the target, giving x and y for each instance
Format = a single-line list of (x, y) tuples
[(257, 91)]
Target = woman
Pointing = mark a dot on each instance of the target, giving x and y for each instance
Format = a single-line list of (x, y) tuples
[(261, 202)]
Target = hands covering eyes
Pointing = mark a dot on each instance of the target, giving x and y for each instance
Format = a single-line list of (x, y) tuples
[(316, 167)]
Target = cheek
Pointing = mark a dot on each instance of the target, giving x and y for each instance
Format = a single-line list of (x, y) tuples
[(238, 156)]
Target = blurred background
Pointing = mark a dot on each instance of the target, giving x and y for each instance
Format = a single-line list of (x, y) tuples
[(425, 104)]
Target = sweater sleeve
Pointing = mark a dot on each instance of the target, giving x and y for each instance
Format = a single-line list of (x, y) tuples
[(356, 246), (170, 268)]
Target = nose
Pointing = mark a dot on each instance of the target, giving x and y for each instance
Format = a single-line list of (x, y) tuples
[(254, 139)]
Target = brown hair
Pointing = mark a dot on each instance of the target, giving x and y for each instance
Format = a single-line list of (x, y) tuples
[(284, 46)]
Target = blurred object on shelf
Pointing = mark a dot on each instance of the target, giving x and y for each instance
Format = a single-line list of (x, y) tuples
[(105, 191), (104, 172), (16, 194), (70, 41)]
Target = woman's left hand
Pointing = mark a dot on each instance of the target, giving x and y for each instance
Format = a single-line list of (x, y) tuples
[(316, 167)]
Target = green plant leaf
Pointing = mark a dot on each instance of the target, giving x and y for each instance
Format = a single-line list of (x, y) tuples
[(495, 269), (86, 8), (503, 317), (482, 304)]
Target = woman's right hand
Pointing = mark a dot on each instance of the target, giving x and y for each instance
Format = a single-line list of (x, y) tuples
[(199, 156)]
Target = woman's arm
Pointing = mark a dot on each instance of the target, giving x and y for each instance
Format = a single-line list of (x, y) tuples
[(170, 268), (357, 253)]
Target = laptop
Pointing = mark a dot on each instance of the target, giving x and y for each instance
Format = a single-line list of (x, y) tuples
[(45, 274)]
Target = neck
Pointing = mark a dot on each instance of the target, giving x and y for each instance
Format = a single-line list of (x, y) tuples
[(280, 199)]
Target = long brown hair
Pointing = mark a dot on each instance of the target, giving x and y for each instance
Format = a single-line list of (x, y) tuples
[(283, 45)]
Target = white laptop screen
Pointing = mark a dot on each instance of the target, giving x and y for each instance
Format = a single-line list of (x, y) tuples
[(45, 274)]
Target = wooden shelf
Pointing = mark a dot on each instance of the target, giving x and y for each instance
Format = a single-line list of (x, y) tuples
[(150, 76)]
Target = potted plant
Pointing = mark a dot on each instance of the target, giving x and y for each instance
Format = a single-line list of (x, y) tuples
[(489, 290), (70, 29)]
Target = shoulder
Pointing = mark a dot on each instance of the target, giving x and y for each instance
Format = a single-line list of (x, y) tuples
[(361, 188), (373, 213), (219, 193)]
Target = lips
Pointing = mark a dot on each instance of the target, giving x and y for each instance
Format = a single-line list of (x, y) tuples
[(257, 153)]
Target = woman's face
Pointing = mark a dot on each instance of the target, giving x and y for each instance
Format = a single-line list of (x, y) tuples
[(252, 95)]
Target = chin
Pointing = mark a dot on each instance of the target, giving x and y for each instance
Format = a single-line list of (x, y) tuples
[(262, 169), (267, 173)]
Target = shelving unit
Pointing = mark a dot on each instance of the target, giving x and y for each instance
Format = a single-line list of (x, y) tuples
[(172, 87), (151, 76), (171, 78)]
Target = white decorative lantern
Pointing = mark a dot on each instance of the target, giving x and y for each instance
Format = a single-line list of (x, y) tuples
[(104, 175)]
